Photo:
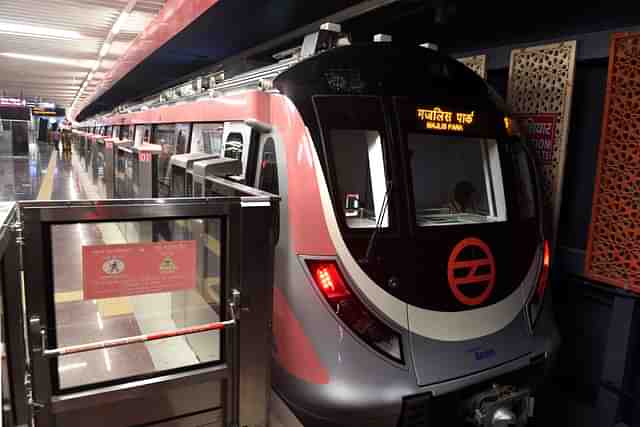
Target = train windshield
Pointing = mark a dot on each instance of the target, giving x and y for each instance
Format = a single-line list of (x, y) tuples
[(356, 141), (455, 167), (456, 179)]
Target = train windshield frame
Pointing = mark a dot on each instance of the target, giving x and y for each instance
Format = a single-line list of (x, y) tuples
[(482, 175)]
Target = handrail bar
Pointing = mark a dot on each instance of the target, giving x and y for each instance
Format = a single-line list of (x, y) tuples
[(118, 342)]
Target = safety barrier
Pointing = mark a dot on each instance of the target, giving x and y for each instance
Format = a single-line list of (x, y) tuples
[(213, 282)]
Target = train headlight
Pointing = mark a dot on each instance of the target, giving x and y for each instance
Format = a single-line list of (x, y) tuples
[(352, 312), (534, 306)]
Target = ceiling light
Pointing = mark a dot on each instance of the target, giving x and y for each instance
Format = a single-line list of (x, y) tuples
[(90, 76), (83, 63), (119, 22), (104, 50), (33, 31)]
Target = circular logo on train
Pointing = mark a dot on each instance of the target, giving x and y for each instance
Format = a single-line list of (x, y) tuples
[(113, 266), (471, 271)]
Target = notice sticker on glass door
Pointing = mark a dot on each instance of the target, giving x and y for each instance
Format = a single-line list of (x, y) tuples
[(138, 268)]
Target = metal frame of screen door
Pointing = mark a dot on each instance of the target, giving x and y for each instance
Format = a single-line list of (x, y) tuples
[(240, 383)]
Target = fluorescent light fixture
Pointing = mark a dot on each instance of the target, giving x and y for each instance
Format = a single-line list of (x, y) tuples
[(104, 50), (42, 32), (82, 63), (90, 76), (119, 23)]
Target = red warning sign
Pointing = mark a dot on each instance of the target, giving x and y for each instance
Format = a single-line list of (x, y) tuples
[(138, 268), (472, 268)]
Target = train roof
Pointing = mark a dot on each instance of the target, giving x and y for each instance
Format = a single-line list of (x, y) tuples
[(387, 69)]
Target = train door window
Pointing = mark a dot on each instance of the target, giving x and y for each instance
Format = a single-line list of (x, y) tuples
[(207, 138), (165, 137), (182, 138), (267, 171), (354, 136), (115, 132), (126, 132), (142, 135)]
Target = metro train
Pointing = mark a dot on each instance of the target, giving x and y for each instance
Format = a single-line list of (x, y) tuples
[(412, 261)]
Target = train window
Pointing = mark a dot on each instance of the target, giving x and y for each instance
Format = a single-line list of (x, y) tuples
[(267, 179), (453, 178), (353, 130), (182, 138), (126, 132), (233, 146), (207, 138), (165, 136), (142, 135)]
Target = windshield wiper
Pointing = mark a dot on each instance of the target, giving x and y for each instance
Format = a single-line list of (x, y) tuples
[(379, 222)]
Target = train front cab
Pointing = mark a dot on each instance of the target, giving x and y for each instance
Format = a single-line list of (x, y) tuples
[(411, 265)]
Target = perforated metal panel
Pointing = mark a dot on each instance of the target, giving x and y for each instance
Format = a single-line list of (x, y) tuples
[(477, 63), (541, 86), (613, 248)]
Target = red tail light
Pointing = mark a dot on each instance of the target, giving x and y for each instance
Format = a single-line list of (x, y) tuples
[(328, 280), (353, 312), (544, 274), (534, 306)]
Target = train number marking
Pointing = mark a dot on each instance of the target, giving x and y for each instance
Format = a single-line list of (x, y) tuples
[(463, 272)]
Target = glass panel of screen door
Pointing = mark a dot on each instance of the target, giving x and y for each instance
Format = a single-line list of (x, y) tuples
[(120, 279)]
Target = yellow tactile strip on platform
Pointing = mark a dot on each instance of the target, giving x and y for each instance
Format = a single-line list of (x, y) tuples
[(47, 183), (62, 297), (114, 306)]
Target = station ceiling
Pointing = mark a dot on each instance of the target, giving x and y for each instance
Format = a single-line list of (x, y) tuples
[(48, 49), (234, 30), (237, 32)]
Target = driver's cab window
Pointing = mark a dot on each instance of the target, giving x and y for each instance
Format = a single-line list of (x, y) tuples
[(354, 135)]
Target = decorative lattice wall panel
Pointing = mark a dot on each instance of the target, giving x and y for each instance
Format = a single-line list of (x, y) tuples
[(539, 93), (477, 63), (613, 248)]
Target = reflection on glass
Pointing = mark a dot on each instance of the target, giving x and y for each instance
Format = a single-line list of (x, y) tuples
[(233, 146), (207, 138), (127, 173), (134, 297)]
